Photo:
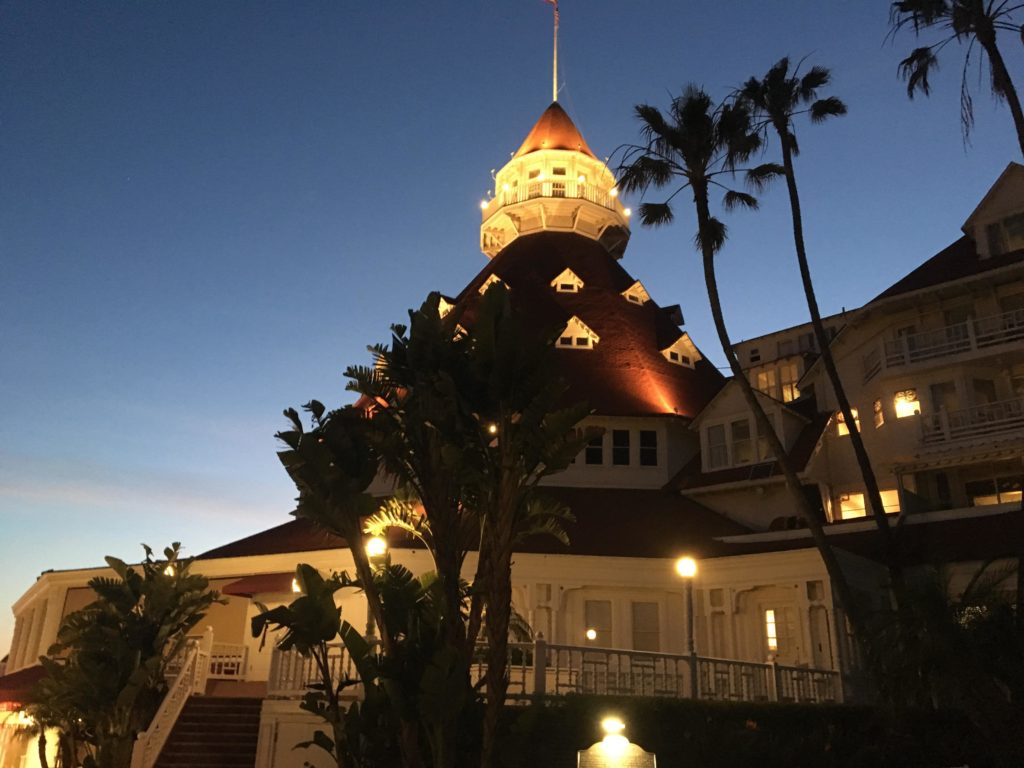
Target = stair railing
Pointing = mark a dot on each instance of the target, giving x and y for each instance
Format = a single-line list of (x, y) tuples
[(191, 679)]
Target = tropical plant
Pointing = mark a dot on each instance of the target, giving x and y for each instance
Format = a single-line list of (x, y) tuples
[(774, 101), (699, 145), (526, 433), (106, 674), (976, 22)]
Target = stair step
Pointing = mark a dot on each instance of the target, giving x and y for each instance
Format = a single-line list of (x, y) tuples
[(214, 732)]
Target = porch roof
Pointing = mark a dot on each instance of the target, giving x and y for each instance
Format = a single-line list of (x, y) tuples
[(15, 686)]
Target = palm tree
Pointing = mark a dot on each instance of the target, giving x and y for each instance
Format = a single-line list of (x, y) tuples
[(775, 100), (696, 146), (975, 21)]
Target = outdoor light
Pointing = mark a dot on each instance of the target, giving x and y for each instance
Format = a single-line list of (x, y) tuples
[(581, 179), (483, 205), (614, 192), (686, 567), (540, 176), (492, 429), (169, 570), (505, 187), (295, 586), (613, 743), (591, 634), (376, 547), (626, 211)]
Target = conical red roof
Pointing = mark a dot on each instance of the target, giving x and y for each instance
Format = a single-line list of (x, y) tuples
[(554, 130)]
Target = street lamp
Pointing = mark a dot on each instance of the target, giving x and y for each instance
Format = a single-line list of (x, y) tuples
[(686, 567)]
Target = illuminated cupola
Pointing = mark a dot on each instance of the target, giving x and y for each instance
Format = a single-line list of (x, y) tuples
[(554, 183)]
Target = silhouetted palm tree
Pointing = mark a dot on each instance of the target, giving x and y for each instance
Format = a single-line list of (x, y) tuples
[(698, 145), (975, 22), (775, 100)]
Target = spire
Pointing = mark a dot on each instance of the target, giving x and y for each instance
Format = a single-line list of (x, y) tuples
[(554, 57), (554, 130)]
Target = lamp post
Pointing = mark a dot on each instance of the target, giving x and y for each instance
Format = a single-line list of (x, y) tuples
[(686, 567), (376, 552)]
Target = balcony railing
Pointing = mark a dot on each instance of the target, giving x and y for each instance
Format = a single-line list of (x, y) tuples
[(558, 188), (546, 669), (228, 661), (969, 335), (979, 421)]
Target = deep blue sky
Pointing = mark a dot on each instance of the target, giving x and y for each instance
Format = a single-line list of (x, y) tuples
[(207, 210)]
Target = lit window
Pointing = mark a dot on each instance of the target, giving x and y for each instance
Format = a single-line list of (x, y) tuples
[(841, 428), (852, 505), (906, 403), (1001, 490), (620, 447), (770, 630), (879, 416), (594, 452), (646, 627), (788, 377), (765, 381), (648, 448)]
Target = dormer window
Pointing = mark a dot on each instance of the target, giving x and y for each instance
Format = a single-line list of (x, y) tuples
[(567, 282), (636, 293), (558, 171), (489, 282), (444, 307), (1005, 235), (682, 352), (577, 336), (460, 332)]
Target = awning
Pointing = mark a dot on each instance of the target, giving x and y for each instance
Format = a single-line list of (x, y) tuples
[(15, 686), (260, 584)]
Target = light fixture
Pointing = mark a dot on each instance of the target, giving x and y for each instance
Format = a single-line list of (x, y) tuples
[(483, 205), (614, 192), (376, 547), (492, 429), (295, 586), (581, 179), (505, 187), (626, 212), (686, 567), (591, 634), (613, 724), (614, 744), (169, 570), (540, 176)]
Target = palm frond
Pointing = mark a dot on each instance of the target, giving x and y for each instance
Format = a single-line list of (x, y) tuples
[(734, 199), (761, 176), (713, 236), (916, 68), (825, 108)]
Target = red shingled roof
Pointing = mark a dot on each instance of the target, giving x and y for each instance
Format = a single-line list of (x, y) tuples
[(955, 262), (609, 522), (15, 686), (554, 130), (625, 373)]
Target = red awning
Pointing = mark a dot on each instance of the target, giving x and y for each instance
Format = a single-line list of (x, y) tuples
[(14, 686), (260, 584)]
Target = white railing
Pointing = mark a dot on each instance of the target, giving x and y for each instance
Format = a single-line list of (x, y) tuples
[(979, 421), (228, 661), (969, 335), (557, 188), (546, 669), (190, 678), (291, 672)]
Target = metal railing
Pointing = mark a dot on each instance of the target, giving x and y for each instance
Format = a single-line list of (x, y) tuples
[(540, 669), (972, 334), (978, 421)]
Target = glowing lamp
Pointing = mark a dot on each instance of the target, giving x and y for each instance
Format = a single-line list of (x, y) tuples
[(591, 634), (483, 205), (169, 570), (295, 586), (614, 192), (492, 429), (612, 725), (626, 212), (614, 744), (505, 187), (376, 547), (581, 179), (686, 567), (540, 176)]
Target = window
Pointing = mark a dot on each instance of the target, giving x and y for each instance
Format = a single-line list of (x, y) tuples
[(755, 355), (648, 448), (788, 376), (906, 403), (620, 447), (646, 628), (841, 428), (681, 351), (535, 174), (1006, 235), (636, 293), (742, 446), (718, 451), (779, 630), (766, 380), (852, 505), (597, 615), (567, 282), (594, 452), (879, 415), (771, 631), (558, 171), (577, 335), (1001, 490)]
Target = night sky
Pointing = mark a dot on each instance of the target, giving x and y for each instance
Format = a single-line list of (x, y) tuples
[(208, 210)]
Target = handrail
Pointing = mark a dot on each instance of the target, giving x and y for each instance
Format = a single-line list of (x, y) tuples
[(976, 421), (151, 741)]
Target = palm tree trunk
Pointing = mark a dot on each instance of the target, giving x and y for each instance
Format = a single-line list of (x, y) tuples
[(843, 591), (867, 472), (1003, 84)]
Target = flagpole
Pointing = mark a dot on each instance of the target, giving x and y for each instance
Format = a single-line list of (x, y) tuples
[(554, 59)]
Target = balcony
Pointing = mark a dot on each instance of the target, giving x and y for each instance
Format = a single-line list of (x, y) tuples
[(986, 420), (968, 336), (558, 189)]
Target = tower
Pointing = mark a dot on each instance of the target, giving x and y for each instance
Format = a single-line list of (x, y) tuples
[(554, 183)]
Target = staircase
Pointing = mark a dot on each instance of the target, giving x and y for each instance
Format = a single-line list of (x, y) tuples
[(214, 732)]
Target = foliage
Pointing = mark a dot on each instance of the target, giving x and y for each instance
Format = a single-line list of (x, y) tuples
[(973, 22), (106, 674)]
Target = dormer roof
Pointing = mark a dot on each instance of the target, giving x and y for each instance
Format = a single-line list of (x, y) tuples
[(992, 198), (554, 130)]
